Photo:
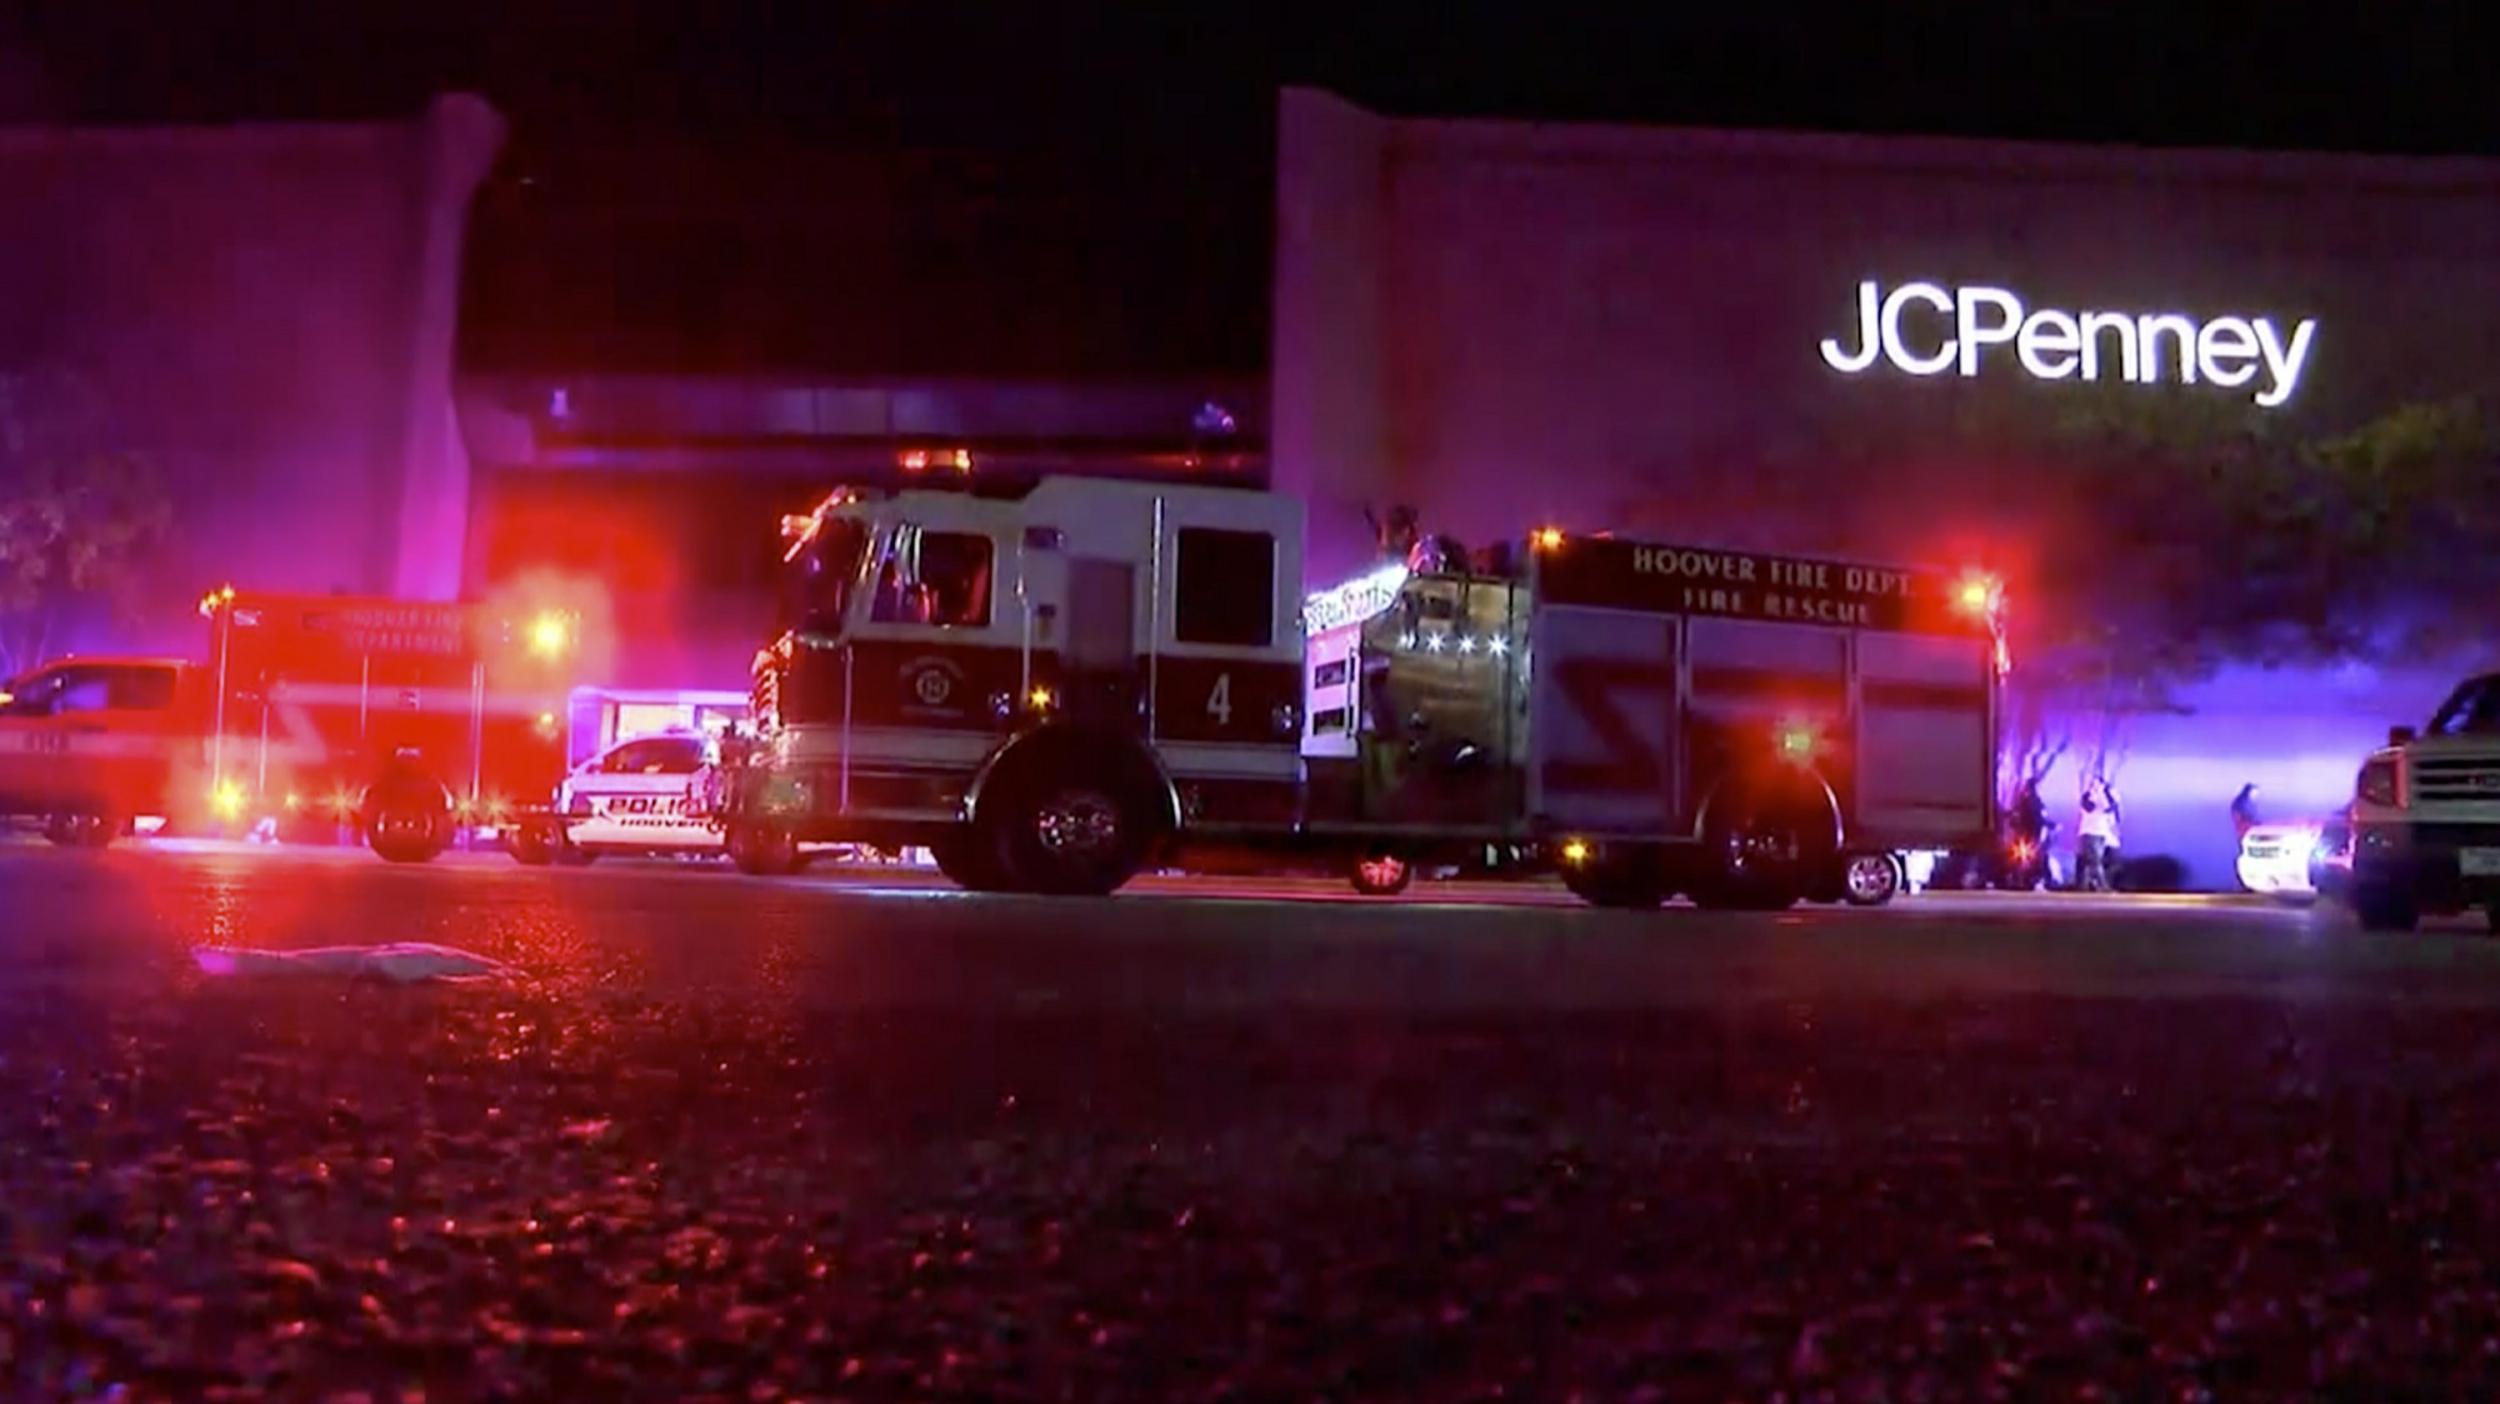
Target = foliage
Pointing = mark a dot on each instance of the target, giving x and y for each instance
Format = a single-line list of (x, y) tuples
[(2147, 535), (2167, 534), (78, 513)]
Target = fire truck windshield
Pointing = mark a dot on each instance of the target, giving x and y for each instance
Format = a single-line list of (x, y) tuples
[(817, 583)]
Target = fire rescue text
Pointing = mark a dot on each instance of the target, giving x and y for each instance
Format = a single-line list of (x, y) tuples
[(1812, 592)]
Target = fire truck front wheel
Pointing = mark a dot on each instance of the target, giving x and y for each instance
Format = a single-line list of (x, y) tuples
[(966, 861), (1066, 831)]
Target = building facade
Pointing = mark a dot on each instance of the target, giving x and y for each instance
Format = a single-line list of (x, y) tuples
[(1758, 338), (657, 500), (265, 316)]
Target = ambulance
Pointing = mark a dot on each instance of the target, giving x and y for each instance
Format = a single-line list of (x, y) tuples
[(406, 725)]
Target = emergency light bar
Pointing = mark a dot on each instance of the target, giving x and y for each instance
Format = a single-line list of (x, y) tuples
[(922, 460)]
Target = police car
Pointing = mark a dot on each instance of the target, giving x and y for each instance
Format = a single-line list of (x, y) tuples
[(2296, 862), (643, 796)]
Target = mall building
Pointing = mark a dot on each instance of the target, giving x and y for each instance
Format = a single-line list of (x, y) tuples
[(1781, 338), (1739, 338)]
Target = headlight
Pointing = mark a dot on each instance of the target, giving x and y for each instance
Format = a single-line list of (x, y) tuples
[(2379, 784)]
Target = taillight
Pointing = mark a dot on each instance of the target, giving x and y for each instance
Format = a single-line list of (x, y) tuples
[(2380, 782)]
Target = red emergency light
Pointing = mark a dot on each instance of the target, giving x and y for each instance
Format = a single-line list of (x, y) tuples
[(1979, 594), (921, 460)]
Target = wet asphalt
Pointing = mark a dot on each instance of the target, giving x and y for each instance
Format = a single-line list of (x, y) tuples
[(857, 1136)]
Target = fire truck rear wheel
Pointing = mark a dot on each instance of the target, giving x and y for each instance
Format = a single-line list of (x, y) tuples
[(1630, 880), (408, 835), (1066, 834), (1760, 851)]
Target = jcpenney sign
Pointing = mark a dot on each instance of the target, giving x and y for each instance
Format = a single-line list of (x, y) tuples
[(1927, 329)]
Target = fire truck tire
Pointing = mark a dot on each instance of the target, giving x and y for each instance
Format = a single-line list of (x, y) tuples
[(2385, 907), (1631, 880), (761, 850), (966, 862), (1066, 830), (1759, 852), (412, 835)]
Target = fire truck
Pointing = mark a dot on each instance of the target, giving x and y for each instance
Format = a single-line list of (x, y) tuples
[(1053, 687), (395, 722)]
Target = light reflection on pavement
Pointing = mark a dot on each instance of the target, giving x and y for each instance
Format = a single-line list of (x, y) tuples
[(884, 938), (855, 1136)]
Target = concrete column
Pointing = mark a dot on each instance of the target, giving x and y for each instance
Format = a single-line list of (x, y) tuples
[(1329, 402), (462, 135)]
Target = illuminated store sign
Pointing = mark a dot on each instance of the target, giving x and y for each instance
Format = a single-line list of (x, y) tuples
[(1928, 329)]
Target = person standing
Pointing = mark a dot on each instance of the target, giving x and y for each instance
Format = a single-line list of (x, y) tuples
[(2244, 811), (2096, 836)]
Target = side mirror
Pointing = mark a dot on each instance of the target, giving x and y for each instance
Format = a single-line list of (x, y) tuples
[(2401, 735)]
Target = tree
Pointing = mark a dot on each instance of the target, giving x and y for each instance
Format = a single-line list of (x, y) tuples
[(2167, 534), (78, 513), (2147, 535)]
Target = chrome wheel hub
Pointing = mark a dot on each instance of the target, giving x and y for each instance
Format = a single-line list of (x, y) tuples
[(1870, 876), (1078, 824)]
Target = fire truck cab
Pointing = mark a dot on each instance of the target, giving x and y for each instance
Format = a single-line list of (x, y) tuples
[(1043, 688)]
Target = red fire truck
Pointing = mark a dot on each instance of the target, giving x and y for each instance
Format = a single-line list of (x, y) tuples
[(1051, 688), (398, 722)]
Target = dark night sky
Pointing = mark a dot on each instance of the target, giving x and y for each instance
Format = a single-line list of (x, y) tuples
[(1079, 188)]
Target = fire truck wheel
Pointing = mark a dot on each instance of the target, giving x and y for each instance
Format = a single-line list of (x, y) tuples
[(1758, 853), (1064, 833), (1630, 880), (762, 850), (412, 834), (2381, 907), (1870, 879), (966, 862), (1382, 874)]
